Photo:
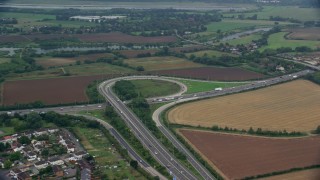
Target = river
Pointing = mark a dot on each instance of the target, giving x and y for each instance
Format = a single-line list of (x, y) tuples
[(245, 33)]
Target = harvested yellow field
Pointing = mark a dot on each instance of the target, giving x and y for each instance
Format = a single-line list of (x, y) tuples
[(311, 174), (292, 106)]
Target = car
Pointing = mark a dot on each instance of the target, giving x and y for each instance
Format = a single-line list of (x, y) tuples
[(155, 152), (99, 106), (140, 161)]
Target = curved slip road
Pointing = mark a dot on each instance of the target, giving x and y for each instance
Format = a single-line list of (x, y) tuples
[(147, 139), (159, 152)]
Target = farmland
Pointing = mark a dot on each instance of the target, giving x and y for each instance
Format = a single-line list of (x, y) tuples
[(49, 62), (160, 63), (209, 53), (75, 70), (242, 156), (49, 91), (135, 53), (114, 37), (212, 73), (291, 106), (305, 34), (302, 14), (229, 25), (277, 40), (107, 157), (312, 174)]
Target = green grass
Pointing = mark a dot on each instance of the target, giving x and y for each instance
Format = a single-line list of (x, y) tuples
[(154, 88), (105, 154), (69, 24), (26, 16), (244, 40), (79, 70), (26, 20), (4, 60), (303, 14), (230, 25), (277, 40), (201, 86), (6, 131), (210, 53)]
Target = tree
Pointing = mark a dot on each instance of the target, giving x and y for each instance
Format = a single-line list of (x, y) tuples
[(134, 164), (15, 156), (140, 68), (34, 121), (45, 152), (24, 140), (318, 130), (7, 164)]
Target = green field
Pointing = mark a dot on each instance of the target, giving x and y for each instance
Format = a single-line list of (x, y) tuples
[(26, 20), (105, 154), (202, 86), (244, 40), (24, 17), (4, 60), (210, 53), (230, 25), (303, 14), (277, 40), (161, 63), (76, 70), (154, 88), (6, 131)]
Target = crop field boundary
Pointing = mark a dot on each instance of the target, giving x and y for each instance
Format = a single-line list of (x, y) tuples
[(238, 133)]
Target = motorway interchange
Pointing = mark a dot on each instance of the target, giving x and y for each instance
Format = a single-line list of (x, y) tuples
[(159, 152)]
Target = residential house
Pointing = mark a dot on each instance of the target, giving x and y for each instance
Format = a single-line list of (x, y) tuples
[(14, 172), (24, 176), (79, 155), (57, 170), (31, 156), (56, 161), (41, 164)]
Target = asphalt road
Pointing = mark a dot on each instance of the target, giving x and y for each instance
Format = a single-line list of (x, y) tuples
[(142, 133), (125, 145), (159, 152)]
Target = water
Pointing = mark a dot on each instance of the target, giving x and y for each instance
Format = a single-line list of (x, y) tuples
[(238, 35), (12, 51)]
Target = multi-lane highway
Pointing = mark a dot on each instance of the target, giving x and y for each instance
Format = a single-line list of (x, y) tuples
[(160, 152)]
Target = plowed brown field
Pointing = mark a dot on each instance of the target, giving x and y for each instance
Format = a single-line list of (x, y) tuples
[(293, 106), (312, 174), (212, 73), (305, 34), (159, 63), (49, 91), (239, 156)]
